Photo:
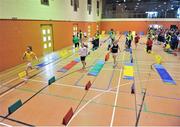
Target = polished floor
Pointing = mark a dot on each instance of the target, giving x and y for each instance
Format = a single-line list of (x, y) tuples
[(109, 101)]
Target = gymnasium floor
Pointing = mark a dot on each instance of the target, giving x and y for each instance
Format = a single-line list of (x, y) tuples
[(109, 101)]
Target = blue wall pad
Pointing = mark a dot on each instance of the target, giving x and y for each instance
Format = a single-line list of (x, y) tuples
[(96, 68), (165, 76)]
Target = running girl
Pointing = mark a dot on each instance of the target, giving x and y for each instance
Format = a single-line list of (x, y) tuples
[(29, 56)]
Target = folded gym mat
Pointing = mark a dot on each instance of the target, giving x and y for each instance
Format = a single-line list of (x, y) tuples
[(69, 65), (128, 72), (96, 68), (165, 76)]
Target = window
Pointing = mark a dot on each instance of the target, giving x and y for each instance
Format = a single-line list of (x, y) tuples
[(75, 4), (45, 2), (89, 6), (178, 13), (97, 8), (72, 2)]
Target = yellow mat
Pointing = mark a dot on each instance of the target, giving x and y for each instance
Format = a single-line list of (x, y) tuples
[(128, 71)]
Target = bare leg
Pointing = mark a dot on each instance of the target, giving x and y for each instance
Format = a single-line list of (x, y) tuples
[(136, 45), (114, 58), (27, 69), (84, 64)]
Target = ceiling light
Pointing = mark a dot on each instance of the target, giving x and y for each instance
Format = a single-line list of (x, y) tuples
[(164, 2)]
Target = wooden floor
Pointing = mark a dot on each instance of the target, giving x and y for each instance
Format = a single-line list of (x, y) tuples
[(109, 101)]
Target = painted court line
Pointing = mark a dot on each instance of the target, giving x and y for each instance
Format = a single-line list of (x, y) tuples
[(6, 125), (75, 99), (116, 98), (51, 64), (106, 91)]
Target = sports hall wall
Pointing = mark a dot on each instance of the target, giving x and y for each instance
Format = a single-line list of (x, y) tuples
[(21, 20), (138, 25)]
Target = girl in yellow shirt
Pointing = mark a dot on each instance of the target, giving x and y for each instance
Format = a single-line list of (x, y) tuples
[(29, 56)]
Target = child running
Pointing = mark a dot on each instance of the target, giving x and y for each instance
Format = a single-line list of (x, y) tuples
[(136, 40), (149, 45), (76, 41), (83, 52), (114, 50), (29, 56)]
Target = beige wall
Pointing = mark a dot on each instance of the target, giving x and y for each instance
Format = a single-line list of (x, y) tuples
[(57, 10)]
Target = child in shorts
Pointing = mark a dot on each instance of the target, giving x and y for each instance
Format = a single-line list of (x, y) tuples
[(83, 52), (136, 40), (29, 56), (114, 50)]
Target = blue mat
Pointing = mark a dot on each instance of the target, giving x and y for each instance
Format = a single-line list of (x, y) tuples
[(77, 60), (54, 58), (165, 76), (63, 70), (96, 68), (128, 77)]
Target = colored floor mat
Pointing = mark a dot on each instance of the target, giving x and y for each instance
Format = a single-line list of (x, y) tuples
[(165, 76), (128, 72), (96, 68), (69, 65)]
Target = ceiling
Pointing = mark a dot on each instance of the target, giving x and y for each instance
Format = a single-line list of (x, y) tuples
[(143, 5)]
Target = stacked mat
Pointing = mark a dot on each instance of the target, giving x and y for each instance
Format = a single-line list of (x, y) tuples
[(128, 72), (165, 76), (69, 65), (96, 68)]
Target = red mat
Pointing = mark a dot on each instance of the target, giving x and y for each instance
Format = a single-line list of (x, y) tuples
[(70, 65)]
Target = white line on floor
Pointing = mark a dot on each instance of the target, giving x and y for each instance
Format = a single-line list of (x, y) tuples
[(6, 125), (116, 98)]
